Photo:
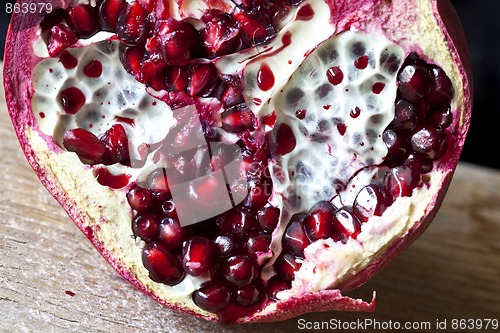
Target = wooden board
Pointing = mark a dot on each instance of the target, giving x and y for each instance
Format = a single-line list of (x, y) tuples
[(52, 279)]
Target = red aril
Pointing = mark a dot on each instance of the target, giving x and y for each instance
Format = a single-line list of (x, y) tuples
[(305, 162)]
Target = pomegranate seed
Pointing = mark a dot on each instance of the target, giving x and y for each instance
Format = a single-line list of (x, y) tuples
[(400, 182), (240, 270), (212, 297), (268, 218), (60, 37), (85, 20), (231, 96), (201, 76), (295, 239), (285, 140), (145, 226), (318, 222), (442, 88), (140, 199), (177, 78), (222, 155), (152, 70), (237, 222), (157, 183), (183, 167), (131, 24), (162, 9), (238, 119), (346, 224), (163, 267), (429, 142), (396, 146), (116, 143), (220, 34), (276, 285), (207, 194), (441, 118), (171, 234), (258, 195), (72, 100), (286, 265), (199, 255), (148, 5), (414, 82), (420, 162), (254, 31), (131, 58), (405, 117), (109, 11), (256, 243), (226, 245), (179, 41), (248, 295), (84, 143), (369, 202), (278, 12)]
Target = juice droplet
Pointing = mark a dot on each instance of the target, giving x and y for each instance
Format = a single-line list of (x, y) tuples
[(106, 178), (125, 120), (286, 39), (361, 62), (68, 60), (93, 69), (257, 101), (42, 115), (270, 119), (342, 128), (51, 70), (305, 13), (265, 78), (378, 87), (72, 100), (355, 113), (327, 107), (300, 114), (335, 75)]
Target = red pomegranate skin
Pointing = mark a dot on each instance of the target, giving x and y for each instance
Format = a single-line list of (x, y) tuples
[(366, 15)]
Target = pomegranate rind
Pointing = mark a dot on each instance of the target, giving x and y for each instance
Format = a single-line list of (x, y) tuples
[(431, 27)]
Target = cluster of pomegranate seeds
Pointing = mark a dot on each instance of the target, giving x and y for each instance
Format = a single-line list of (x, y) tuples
[(417, 134), (232, 248), (227, 247), (110, 148)]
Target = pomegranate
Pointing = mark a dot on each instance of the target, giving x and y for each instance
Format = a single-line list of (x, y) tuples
[(228, 162)]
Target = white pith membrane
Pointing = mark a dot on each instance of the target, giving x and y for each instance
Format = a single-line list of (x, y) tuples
[(319, 163)]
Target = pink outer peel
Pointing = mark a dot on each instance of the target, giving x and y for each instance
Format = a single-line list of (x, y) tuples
[(395, 19)]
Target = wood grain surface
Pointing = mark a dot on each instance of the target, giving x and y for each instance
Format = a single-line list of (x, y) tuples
[(53, 280)]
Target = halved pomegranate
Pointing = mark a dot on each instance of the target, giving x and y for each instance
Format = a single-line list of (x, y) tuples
[(243, 161)]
